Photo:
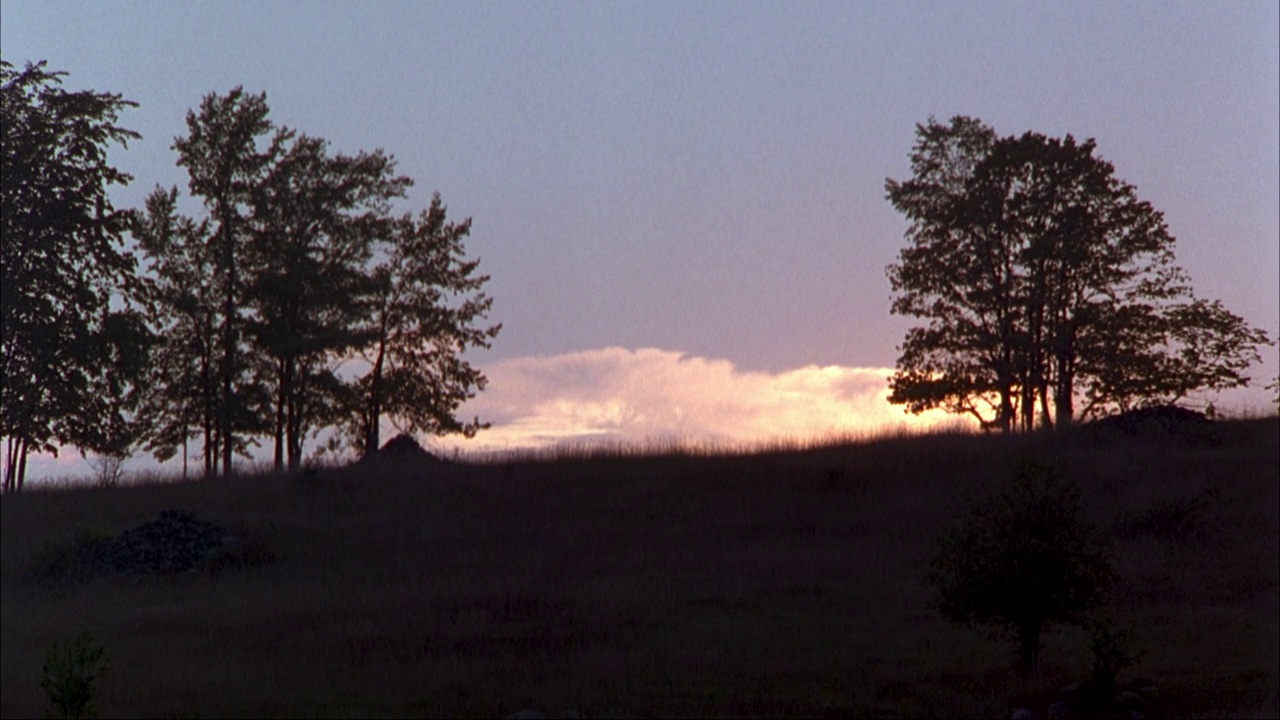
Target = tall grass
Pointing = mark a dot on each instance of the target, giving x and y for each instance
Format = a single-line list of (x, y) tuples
[(783, 582)]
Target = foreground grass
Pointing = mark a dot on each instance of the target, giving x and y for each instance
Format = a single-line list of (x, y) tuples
[(776, 584)]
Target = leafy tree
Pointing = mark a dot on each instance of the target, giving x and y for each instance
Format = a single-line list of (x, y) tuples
[(315, 217), (1044, 279), (183, 373), (63, 341), (960, 275), (1022, 557), (419, 318), (225, 163)]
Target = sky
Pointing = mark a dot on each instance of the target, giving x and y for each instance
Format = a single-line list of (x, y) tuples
[(681, 205)]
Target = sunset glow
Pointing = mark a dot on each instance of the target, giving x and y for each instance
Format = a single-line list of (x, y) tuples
[(638, 396), (681, 207)]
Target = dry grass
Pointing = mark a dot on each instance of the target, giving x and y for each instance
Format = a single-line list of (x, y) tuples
[(785, 583)]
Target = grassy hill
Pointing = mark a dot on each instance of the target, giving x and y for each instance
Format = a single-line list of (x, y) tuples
[(769, 584)]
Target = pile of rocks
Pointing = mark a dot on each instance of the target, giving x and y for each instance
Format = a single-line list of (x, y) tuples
[(1161, 421), (1131, 701), (402, 450), (175, 541), (530, 714)]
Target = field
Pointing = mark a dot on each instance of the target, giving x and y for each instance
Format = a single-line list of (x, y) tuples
[(779, 583)]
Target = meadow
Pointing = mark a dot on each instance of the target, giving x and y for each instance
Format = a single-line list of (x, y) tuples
[(773, 583)]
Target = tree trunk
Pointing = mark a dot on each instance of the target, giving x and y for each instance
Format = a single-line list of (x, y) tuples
[(282, 383), (11, 465), (23, 446), (1029, 646), (1046, 420), (226, 418), (1063, 399), (373, 409), (294, 416)]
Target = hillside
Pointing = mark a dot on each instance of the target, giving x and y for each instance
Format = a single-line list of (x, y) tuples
[(772, 584)]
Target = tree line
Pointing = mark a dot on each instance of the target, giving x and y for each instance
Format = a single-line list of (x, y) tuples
[(297, 301), (1049, 290)]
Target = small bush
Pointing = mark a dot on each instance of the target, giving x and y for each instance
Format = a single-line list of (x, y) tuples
[(66, 556), (1169, 519), (1111, 656), (244, 553), (1022, 557), (70, 670)]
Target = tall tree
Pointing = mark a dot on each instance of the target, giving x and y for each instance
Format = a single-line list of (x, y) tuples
[(420, 317), (228, 148), (63, 262), (1044, 278), (184, 386), (315, 217), (959, 271)]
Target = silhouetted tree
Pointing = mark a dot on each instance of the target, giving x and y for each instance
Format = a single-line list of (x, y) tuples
[(315, 218), (63, 342), (419, 318), (184, 383), (227, 152), (1044, 279)]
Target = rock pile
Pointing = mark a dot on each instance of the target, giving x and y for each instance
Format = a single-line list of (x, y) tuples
[(175, 541), (529, 714), (1161, 421), (401, 450), (404, 448), (1131, 701)]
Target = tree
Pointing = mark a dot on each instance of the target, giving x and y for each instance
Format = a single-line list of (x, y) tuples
[(1022, 557), (420, 316), (183, 373), (314, 221), (959, 274), (63, 340), (1045, 279), (225, 163)]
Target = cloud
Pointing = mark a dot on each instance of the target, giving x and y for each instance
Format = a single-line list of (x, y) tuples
[(620, 395)]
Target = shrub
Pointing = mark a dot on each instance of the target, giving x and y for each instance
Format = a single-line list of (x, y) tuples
[(1111, 656), (66, 555), (70, 670), (1022, 557), (1170, 519), (246, 552)]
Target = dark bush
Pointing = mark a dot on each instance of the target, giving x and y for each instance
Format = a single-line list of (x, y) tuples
[(1022, 557)]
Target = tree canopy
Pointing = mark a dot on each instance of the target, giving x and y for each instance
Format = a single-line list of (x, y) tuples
[(299, 269), (253, 320), (1050, 290), (71, 332)]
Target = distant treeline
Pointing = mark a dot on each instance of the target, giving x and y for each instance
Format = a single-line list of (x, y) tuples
[(130, 329)]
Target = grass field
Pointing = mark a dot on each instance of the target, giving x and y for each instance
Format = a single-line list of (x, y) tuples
[(769, 584)]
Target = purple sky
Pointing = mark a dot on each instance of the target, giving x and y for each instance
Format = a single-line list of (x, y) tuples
[(693, 185)]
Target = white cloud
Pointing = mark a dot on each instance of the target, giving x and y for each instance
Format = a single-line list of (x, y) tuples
[(627, 396), (615, 395)]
